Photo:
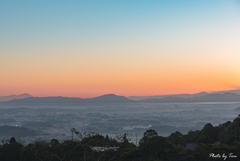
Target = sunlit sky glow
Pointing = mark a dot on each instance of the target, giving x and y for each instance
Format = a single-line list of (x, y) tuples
[(89, 48)]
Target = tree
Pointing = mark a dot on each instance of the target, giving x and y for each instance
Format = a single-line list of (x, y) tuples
[(147, 135), (107, 138), (177, 138), (54, 142), (12, 140), (158, 148), (210, 131), (150, 133), (204, 139), (12, 151), (83, 136)]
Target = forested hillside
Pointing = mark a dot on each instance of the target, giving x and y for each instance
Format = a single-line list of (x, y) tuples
[(210, 143)]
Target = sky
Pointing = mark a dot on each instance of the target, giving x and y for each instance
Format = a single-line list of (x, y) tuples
[(83, 48)]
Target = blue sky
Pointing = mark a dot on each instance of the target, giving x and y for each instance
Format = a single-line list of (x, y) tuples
[(148, 38)]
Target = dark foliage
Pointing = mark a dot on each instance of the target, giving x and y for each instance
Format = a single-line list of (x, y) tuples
[(222, 140)]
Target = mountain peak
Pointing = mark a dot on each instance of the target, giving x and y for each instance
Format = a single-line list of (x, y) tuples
[(9, 98), (108, 95), (203, 92), (25, 94), (110, 98)]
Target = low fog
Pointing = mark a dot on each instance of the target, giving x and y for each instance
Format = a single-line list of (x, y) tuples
[(32, 122)]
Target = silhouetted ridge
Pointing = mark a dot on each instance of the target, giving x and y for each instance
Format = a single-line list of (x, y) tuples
[(225, 97), (112, 98), (164, 96), (109, 98), (47, 100), (8, 98)]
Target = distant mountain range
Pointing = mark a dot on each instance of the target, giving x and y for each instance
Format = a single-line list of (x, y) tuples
[(182, 95), (112, 98), (109, 98), (136, 98), (225, 97), (237, 91), (8, 98)]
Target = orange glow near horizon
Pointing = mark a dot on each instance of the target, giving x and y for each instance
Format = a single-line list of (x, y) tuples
[(127, 82), (158, 48)]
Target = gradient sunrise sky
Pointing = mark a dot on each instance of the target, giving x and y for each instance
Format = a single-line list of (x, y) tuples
[(126, 47)]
